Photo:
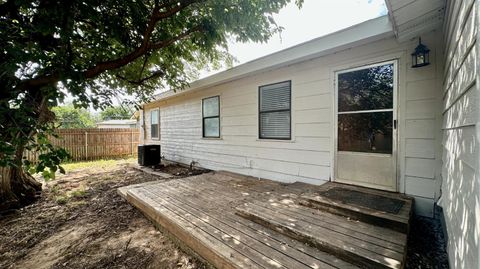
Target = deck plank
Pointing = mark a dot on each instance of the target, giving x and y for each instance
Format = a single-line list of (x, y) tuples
[(260, 243), (403, 214), (364, 230), (399, 223), (201, 242), (331, 227), (350, 249), (381, 233), (216, 230), (381, 247), (300, 253), (227, 231), (201, 212)]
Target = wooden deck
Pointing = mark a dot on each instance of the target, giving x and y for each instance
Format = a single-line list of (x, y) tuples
[(238, 222)]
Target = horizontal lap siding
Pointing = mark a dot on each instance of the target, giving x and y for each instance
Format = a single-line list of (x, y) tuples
[(421, 134), (460, 108), (308, 157)]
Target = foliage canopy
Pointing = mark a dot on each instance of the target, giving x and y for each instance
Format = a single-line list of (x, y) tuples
[(116, 113), (95, 50), (68, 117)]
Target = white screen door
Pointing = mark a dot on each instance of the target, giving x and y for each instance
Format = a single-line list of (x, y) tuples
[(365, 150)]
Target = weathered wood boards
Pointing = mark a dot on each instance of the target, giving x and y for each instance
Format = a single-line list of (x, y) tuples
[(200, 211), (398, 222), (93, 143), (347, 243)]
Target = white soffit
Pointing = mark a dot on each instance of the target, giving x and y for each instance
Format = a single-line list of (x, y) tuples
[(412, 18), (356, 35)]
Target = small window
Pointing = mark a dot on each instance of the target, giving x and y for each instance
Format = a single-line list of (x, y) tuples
[(274, 111), (154, 124), (211, 117)]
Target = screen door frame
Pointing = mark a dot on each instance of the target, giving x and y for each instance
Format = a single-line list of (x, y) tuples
[(395, 138)]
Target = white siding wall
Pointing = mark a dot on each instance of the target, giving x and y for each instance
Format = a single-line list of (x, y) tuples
[(308, 157), (460, 173)]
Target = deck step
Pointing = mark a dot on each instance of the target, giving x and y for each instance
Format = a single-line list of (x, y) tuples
[(398, 221), (363, 244), (198, 213)]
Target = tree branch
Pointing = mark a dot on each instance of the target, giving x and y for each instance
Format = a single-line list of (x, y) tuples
[(139, 82), (166, 43), (169, 12), (145, 46), (143, 66)]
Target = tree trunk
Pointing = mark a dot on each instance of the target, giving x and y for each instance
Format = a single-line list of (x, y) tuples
[(17, 188), (7, 198)]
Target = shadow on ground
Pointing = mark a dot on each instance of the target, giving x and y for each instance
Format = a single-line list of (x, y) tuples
[(81, 222)]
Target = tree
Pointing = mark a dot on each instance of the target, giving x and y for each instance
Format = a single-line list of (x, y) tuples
[(68, 116), (116, 113), (95, 50)]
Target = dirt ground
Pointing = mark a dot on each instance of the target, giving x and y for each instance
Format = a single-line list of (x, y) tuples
[(81, 222)]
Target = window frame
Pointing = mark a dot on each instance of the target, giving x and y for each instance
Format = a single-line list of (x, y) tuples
[(158, 124), (277, 110), (211, 117)]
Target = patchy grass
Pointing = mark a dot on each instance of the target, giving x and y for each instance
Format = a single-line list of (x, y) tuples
[(96, 164), (79, 193), (63, 197), (81, 222)]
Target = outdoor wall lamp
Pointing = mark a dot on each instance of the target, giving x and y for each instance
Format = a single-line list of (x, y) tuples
[(420, 57)]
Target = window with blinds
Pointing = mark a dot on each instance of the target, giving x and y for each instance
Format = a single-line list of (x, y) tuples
[(154, 124), (275, 111), (211, 117)]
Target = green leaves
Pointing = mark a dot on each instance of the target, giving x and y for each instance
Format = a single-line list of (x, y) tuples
[(49, 157), (116, 112), (68, 116), (67, 38), (95, 50)]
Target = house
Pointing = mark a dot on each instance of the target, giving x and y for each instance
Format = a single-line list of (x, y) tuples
[(353, 107), (132, 123)]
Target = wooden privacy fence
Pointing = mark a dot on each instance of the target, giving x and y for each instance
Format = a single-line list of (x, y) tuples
[(92, 144)]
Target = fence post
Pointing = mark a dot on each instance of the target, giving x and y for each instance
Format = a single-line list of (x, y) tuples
[(86, 146), (131, 142)]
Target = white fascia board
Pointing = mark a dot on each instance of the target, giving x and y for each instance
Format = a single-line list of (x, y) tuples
[(357, 35)]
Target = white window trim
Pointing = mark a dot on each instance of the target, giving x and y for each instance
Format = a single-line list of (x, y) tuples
[(259, 137), (158, 124), (219, 119)]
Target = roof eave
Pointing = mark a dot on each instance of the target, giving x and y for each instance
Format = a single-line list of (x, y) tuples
[(356, 35), (411, 19)]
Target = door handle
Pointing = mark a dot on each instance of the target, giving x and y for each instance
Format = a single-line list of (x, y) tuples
[(394, 124)]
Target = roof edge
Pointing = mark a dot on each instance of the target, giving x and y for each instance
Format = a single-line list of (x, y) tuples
[(356, 35)]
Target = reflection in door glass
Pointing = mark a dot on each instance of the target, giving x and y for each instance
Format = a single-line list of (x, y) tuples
[(365, 132), (366, 89)]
